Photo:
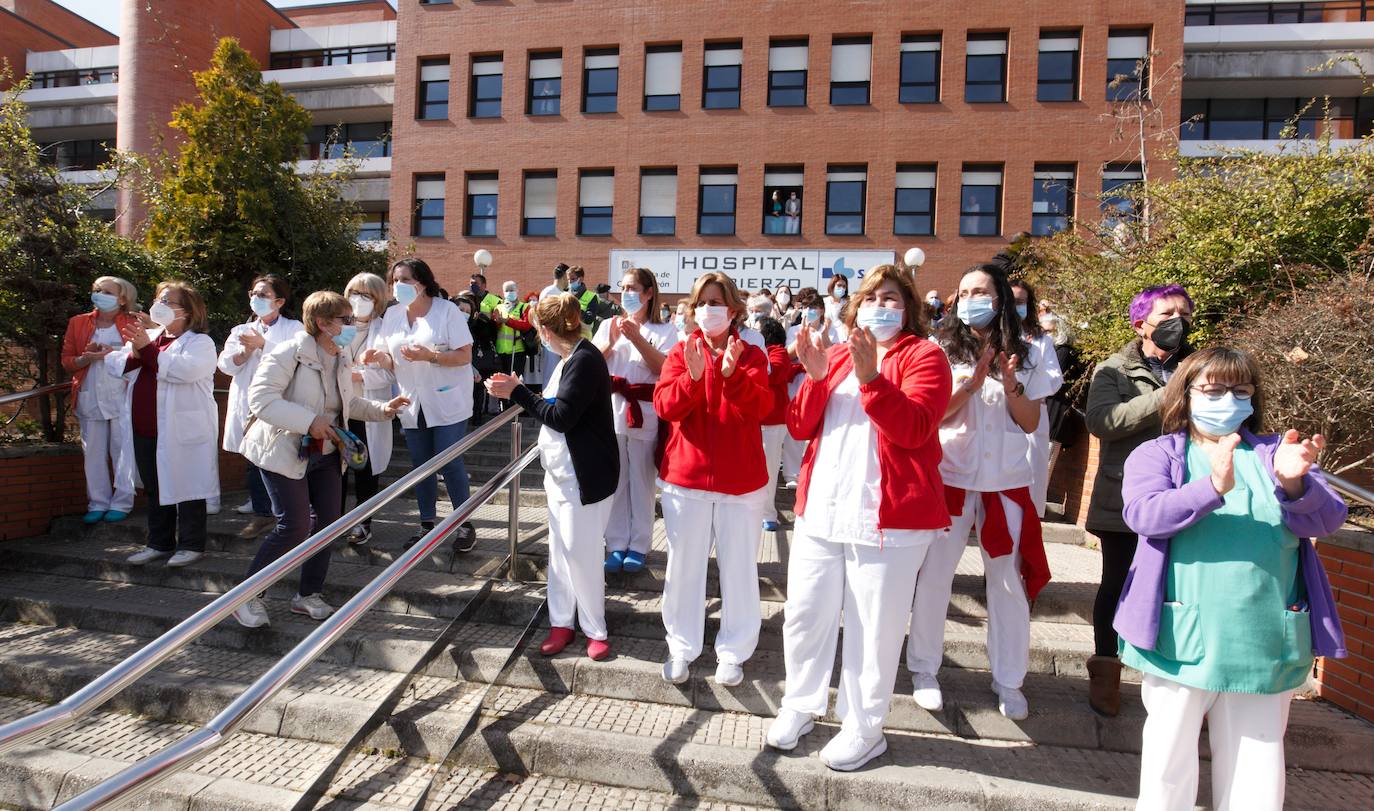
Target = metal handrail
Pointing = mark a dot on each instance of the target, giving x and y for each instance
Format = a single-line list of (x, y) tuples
[(143, 775), (114, 680), (1349, 489), (19, 396)]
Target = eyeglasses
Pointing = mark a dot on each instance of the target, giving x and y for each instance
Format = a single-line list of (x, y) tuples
[(1215, 391), (346, 320)]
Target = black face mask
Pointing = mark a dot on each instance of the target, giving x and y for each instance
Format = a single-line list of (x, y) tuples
[(1169, 335)]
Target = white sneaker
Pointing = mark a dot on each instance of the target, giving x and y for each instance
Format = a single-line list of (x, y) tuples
[(245, 508), (212, 507), (312, 605), (252, 614), (847, 751), (925, 688), (675, 671), (729, 674), (1011, 702), (184, 557), (145, 555), (787, 729)]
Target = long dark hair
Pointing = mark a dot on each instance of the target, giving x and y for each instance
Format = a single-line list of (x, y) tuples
[(1031, 324), (963, 346), (420, 272)]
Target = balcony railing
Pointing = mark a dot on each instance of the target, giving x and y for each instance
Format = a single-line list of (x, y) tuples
[(1331, 11)]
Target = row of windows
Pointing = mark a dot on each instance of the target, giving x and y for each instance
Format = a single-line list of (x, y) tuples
[(75, 155), (1266, 119), (367, 140), (783, 202), (74, 78), (1336, 11), (350, 55), (919, 74)]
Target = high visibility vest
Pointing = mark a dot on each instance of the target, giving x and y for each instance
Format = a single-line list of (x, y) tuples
[(489, 302), (585, 301), (507, 338)]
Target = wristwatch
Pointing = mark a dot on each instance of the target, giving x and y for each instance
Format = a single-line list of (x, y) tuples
[(1020, 389)]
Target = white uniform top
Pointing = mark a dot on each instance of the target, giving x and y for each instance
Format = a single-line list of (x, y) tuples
[(282, 329), (444, 393), (627, 362), (984, 449), (559, 476), (103, 387), (846, 482), (1042, 354), (551, 290), (794, 385), (832, 314)]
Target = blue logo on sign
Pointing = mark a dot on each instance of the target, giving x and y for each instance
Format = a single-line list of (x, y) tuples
[(839, 270)]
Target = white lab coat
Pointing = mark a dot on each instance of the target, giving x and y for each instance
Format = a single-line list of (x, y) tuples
[(187, 419), (280, 330), (444, 393), (377, 385)]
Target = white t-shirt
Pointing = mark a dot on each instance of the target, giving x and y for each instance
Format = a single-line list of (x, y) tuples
[(846, 486), (627, 362), (551, 290), (443, 393), (983, 448), (102, 395)]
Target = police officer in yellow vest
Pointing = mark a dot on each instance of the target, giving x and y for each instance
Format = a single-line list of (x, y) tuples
[(487, 302), (511, 319)]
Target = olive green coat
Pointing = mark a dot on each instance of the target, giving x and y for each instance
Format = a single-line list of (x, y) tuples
[(1122, 412)]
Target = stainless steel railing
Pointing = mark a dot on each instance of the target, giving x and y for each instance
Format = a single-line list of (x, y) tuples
[(1349, 489), (55, 389), (119, 677)]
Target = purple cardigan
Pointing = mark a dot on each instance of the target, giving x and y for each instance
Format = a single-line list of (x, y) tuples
[(1158, 505)]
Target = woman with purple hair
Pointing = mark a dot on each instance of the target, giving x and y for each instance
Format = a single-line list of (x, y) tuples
[(1123, 412)]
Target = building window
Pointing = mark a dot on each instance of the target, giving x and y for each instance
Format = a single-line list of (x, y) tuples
[(375, 226), (482, 199), (1118, 180), (716, 205), (486, 87), (1279, 13), (1051, 199), (1267, 119), (914, 207), (663, 78), (845, 190), (429, 206), (980, 202), (721, 81), (787, 73), (658, 202), (920, 69), (347, 55), (595, 201), (985, 69), (371, 140), (1057, 77), (851, 61), (782, 200), (73, 78), (600, 77), (1128, 65), (541, 204), (546, 83), (80, 155), (433, 96)]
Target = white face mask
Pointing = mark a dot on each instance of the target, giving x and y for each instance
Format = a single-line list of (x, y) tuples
[(883, 322), (714, 321), (404, 293), (162, 314), (362, 305)]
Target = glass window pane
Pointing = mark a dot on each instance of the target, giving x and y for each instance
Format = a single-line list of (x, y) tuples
[(845, 197), (978, 225), (1058, 66), (985, 68), (722, 77), (540, 226), (849, 93), (977, 199), (482, 205), (913, 224), (983, 93), (602, 80), (657, 226), (718, 200), (720, 100), (713, 224), (659, 103), (482, 227)]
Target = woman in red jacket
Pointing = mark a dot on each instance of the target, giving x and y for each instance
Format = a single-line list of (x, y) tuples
[(714, 391), (870, 502)]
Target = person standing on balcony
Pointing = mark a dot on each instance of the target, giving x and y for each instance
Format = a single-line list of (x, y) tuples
[(635, 347), (174, 418), (100, 397), (302, 394), (367, 295), (869, 507), (714, 391), (243, 349), (1122, 412), (1227, 601), (578, 450)]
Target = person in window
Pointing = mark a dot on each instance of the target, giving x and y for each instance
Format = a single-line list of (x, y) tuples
[(775, 221), (994, 406), (367, 296), (1227, 601), (1042, 354), (243, 349), (792, 208), (577, 448), (837, 295), (100, 397), (1122, 412), (870, 506), (426, 344), (714, 391), (635, 346), (174, 419), (302, 393)]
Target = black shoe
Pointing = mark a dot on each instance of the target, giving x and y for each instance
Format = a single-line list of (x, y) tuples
[(465, 538), (425, 527)]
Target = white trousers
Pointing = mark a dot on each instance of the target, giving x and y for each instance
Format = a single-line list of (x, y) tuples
[(694, 525), (873, 589), (632, 508), (1008, 608), (577, 580), (1039, 457), (774, 436), (106, 444), (1246, 736), (792, 452)]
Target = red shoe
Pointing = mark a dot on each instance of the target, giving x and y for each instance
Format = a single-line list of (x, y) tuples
[(598, 649), (557, 640)]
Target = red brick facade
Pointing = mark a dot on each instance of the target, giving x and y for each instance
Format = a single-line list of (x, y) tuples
[(19, 36), (1349, 683), (342, 13), (61, 22)]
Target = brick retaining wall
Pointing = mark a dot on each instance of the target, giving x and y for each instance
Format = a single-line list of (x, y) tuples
[(1349, 560)]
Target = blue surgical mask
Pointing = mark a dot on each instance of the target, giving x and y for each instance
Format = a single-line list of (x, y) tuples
[(405, 293), (577, 287), (261, 307), (1219, 417), (883, 322), (977, 311), (813, 316), (104, 302), (345, 337), (631, 302), (680, 322), (512, 296), (1021, 311)]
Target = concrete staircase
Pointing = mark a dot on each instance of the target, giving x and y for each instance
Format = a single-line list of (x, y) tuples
[(553, 733)]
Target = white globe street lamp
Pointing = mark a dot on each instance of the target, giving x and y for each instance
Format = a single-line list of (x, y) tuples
[(482, 258), (914, 257)]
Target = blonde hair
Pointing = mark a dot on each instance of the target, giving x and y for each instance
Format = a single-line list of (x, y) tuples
[(561, 315), (372, 286), (913, 309), (320, 305), (191, 302), (733, 300), (126, 289)]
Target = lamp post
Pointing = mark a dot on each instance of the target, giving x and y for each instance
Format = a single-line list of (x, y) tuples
[(482, 258), (914, 258)]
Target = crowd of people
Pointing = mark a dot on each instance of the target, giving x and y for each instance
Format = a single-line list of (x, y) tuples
[(906, 425)]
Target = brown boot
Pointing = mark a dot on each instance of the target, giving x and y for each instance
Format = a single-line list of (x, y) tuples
[(1104, 685)]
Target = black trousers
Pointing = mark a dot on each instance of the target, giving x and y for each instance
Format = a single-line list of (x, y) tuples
[(173, 527), (1118, 550), (513, 364), (365, 482)]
